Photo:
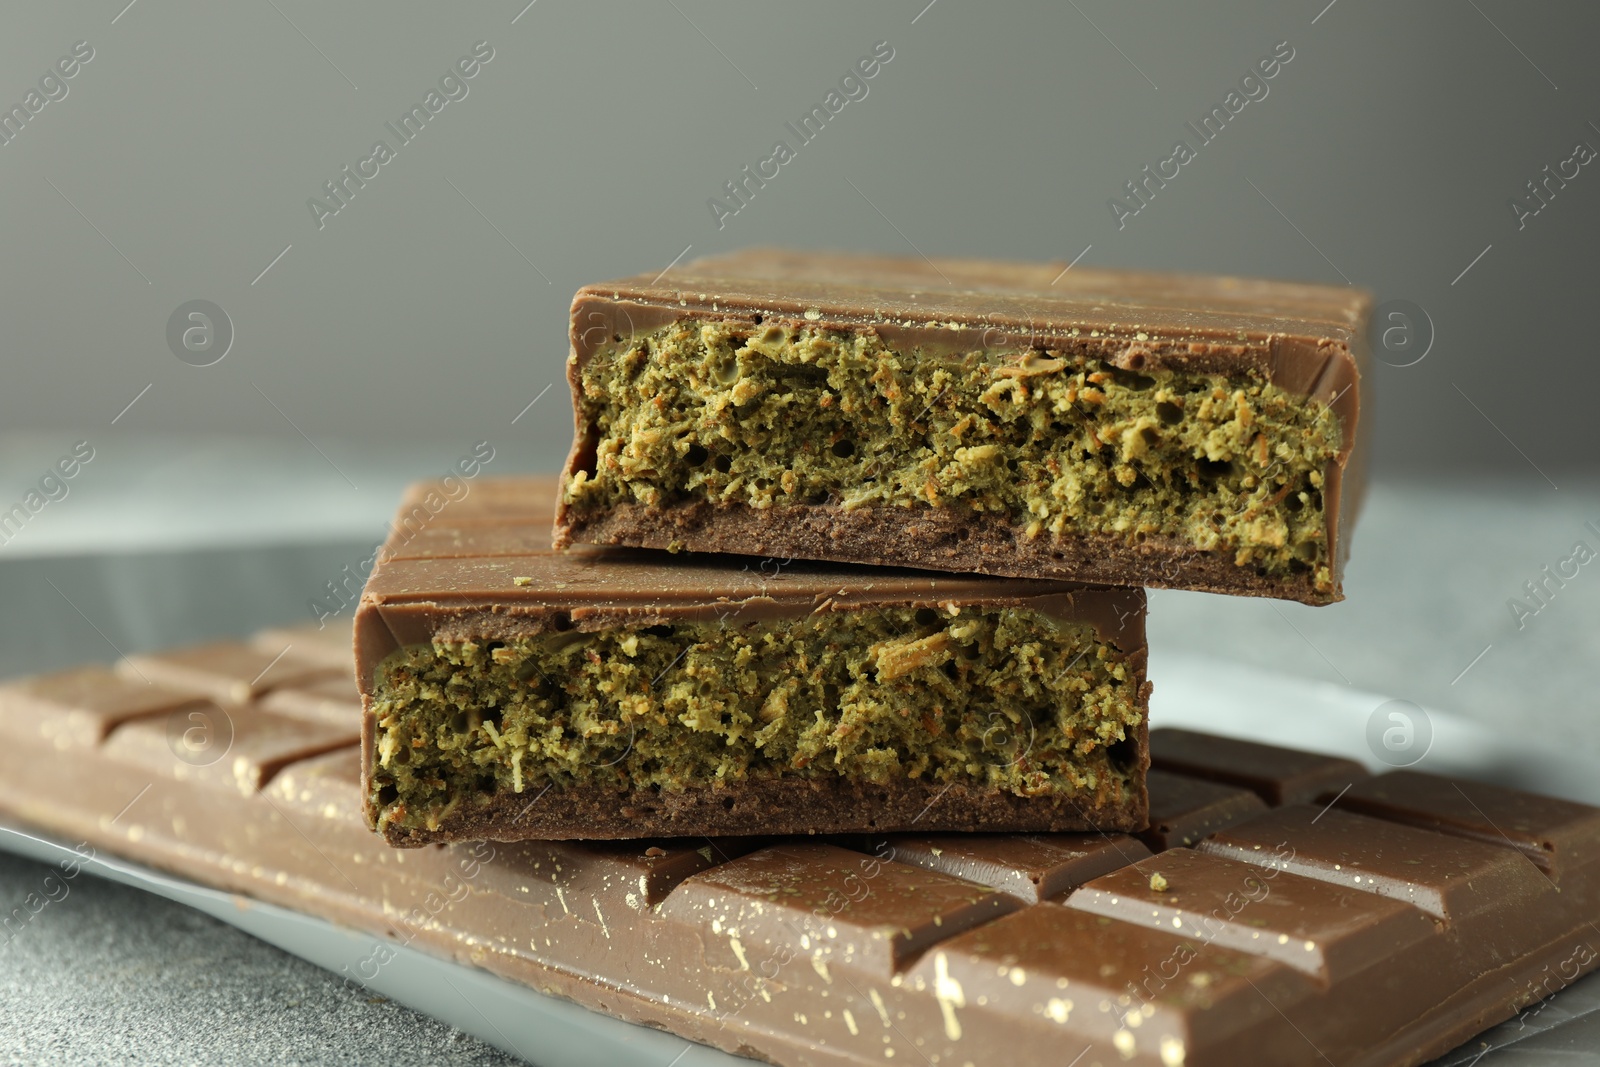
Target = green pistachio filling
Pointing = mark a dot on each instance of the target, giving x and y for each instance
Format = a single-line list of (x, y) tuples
[(1005, 698), (1060, 444)]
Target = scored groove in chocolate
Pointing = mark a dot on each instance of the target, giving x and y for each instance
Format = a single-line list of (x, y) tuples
[(1296, 935)]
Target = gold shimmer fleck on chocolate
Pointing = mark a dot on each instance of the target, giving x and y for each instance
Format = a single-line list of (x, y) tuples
[(1128, 429)]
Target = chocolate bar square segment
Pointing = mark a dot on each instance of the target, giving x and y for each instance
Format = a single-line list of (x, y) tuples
[(335, 701), (1554, 834), (79, 708), (1451, 879), (871, 915), (1065, 980), (1330, 933), (1185, 810), (243, 746), (604, 693), (321, 787), (229, 672), (327, 642), (587, 879), (972, 416), (1277, 775), (1031, 867)]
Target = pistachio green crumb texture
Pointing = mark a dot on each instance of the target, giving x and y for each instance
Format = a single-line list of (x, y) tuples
[(1060, 444), (1005, 698)]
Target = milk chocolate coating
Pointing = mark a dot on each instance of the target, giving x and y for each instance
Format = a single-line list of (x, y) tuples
[(1307, 339), (1381, 932), (481, 569)]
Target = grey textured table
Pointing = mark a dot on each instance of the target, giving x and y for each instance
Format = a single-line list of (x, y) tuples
[(109, 974)]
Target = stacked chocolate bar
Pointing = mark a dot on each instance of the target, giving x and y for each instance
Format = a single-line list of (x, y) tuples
[(514, 691), (847, 565), (881, 485)]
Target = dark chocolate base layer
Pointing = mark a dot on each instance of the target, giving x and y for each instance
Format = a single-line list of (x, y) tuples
[(941, 539), (789, 806)]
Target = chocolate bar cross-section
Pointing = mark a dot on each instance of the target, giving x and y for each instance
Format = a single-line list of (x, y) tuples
[(514, 692), (1016, 419)]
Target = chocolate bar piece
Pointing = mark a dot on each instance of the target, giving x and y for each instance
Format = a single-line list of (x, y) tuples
[(1278, 775), (1000, 418), (513, 692), (1184, 810), (1381, 932)]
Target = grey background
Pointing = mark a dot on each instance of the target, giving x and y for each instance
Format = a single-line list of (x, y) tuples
[(428, 314), (593, 139)]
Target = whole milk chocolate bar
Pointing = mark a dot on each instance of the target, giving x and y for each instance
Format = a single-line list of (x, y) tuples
[(1379, 931), (516, 692), (1018, 419)]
